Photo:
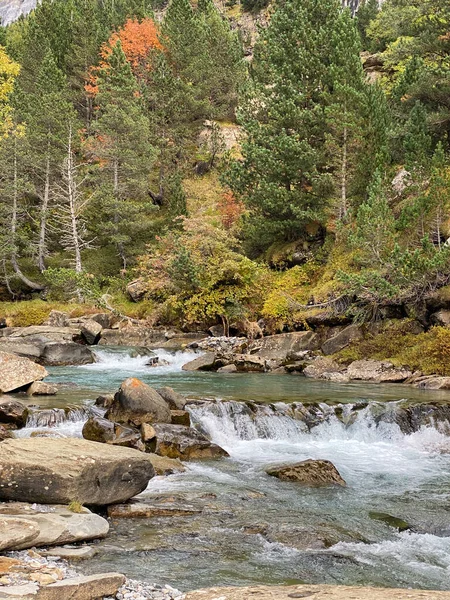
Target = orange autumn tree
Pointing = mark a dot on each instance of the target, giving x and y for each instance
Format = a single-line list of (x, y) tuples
[(137, 39)]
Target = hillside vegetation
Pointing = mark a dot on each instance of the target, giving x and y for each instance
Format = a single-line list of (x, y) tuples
[(313, 174)]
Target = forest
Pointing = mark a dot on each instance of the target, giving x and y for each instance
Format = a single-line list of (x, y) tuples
[(118, 177)]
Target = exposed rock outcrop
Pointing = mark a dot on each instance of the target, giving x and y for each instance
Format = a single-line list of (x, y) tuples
[(205, 362), (58, 471), (377, 371)]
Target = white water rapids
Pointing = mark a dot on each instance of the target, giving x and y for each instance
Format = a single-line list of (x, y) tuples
[(256, 527)]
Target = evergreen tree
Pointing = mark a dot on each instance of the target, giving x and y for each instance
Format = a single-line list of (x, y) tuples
[(417, 141), (346, 106), (121, 144), (367, 12), (284, 177)]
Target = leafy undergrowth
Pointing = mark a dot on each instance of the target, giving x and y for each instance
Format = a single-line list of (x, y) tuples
[(36, 312), (428, 352)]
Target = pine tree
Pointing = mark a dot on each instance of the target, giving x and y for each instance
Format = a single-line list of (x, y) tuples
[(283, 177), (121, 144), (346, 106), (367, 12), (417, 141), (46, 112)]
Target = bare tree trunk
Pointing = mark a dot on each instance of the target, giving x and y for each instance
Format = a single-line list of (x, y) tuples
[(120, 247), (14, 262), (44, 210), (72, 195), (343, 206)]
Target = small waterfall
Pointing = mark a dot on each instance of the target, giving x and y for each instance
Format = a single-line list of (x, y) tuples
[(54, 417), (138, 360), (225, 421)]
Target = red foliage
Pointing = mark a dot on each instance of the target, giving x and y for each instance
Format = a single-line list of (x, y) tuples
[(230, 209), (137, 38)]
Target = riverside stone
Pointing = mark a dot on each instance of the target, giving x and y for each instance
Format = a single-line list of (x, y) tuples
[(12, 412), (314, 592), (90, 587), (378, 371), (16, 531), (309, 472), (280, 347), (57, 471), (91, 331), (175, 400), (5, 433), (342, 339), (202, 363), (17, 372), (321, 368), (41, 388), (136, 403), (66, 353), (185, 443), (136, 510), (180, 417), (164, 465)]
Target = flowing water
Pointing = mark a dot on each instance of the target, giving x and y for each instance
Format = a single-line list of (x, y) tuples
[(247, 527)]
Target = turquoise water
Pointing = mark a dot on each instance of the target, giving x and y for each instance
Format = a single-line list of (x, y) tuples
[(247, 527)]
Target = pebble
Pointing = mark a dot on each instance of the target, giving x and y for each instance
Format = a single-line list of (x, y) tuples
[(138, 590)]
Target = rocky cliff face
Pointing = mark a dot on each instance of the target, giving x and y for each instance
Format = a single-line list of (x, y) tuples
[(11, 10)]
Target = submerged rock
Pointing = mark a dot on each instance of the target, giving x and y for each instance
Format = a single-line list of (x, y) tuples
[(185, 443), (136, 403), (41, 388), (17, 372), (309, 472), (58, 471), (394, 522)]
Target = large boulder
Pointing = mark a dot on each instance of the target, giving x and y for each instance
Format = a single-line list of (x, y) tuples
[(83, 587), (185, 443), (377, 371), (66, 353), (58, 318), (342, 339), (280, 347), (91, 331), (322, 368), (174, 400), (58, 471), (48, 525), (309, 472), (17, 372), (205, 362), (137, 289), (136, 403), (97, 429)]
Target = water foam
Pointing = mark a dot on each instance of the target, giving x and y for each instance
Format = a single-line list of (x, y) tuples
[(130, 361)]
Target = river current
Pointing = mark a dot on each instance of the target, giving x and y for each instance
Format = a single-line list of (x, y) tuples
[(246, 527)]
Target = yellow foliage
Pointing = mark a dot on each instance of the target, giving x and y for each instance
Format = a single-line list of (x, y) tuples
[(9, 70)]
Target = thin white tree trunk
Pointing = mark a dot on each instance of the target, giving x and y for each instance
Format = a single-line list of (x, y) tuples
[(44, 211), (72, 195)]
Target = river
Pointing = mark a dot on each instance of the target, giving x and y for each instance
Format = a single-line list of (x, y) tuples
[(247, 527)]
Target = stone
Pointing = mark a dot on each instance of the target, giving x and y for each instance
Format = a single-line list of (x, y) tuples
[(43, 578), (279, 347), (16, 531), (205, 362), (97, 429), (185, 443), (91, 331), (147, 432), (433, 383), (180, 417), (75, 553), (342, 339), (58, 318), (66, 353), (104, 401), (137, 289), (228, 369), (5, 434), (13, 412), (321, 367), (103, 319), (174, 400), (41, 388), (17, 372), (136, 403), (314, 592), (164, 465), (133, 336), (143, 510), (6, 564), (378, 371), (27, 591), (325, 318), (91, 587), (58, 471), (442, 318), (127, 438), (249, 363), (394, 522), (309, 472)]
